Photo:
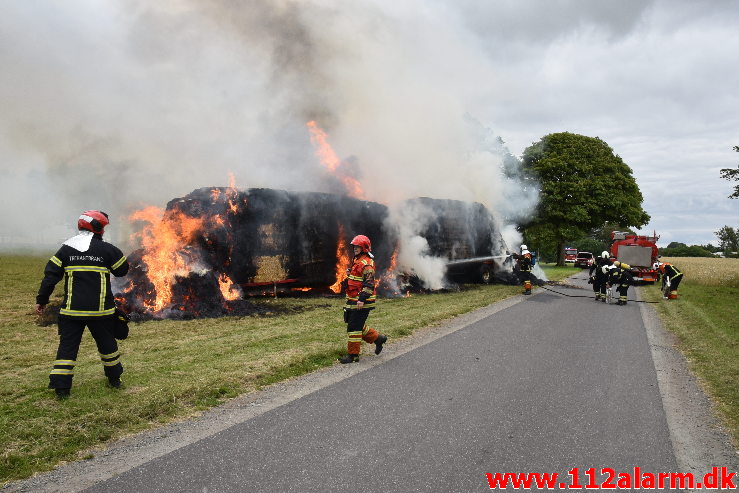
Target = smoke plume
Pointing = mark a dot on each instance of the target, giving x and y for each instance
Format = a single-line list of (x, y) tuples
[(116, 105)]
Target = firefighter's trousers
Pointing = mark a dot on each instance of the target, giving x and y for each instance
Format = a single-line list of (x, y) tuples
[(622, 289), (600, 285), (525, 277), (70, 336), (599, 288), (358, 331)]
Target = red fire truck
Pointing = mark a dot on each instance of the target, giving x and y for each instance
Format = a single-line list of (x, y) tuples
[(570, 254), (640, 252)]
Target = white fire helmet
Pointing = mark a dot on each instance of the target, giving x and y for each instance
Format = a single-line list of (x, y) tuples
[(605, 254), (524, 247), (656, 265)]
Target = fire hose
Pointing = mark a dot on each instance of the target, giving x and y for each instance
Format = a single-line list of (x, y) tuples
[(587, 296)]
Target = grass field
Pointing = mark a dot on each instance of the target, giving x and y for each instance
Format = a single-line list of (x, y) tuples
[(705, 318), (174, 369)]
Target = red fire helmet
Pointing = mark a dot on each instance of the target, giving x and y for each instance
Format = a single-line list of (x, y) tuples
[(94, 221), (363, 242)]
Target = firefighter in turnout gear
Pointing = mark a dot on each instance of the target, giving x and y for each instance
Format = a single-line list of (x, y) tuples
[(361, 295), (524, 266), (620, 276), (671, 277), (85, 262), (598, 276)]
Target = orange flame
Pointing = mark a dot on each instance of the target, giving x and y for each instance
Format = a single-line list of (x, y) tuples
[(389, 277), (231, 193), (163, 239), (342, 261), (331, 161), (301, 289), (229, 290), (390, 272)]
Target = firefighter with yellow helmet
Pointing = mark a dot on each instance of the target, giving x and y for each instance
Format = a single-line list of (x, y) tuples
[(361, 295)]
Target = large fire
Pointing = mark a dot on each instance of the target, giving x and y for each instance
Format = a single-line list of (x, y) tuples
[(331, 161), (164, 238)]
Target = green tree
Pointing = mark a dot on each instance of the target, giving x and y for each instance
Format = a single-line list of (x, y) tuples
[(728, 238), (732, 175), (676, 244), (682, 250), (582, 186)]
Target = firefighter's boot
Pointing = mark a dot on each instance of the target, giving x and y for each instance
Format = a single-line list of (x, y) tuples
[(381, 339), (353, 348), (62, 394), (597, 296), (115, 382), (349, 358)]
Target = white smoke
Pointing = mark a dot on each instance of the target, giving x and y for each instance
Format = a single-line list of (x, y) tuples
[(113, 105), (409, 220)]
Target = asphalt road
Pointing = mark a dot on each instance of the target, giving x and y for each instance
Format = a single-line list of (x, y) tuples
[(546, 385), (542, 383)]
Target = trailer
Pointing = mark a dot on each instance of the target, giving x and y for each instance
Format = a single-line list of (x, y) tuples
[(638, 251)]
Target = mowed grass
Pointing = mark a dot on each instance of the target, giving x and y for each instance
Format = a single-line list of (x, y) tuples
[(557, 273), (173, 369), (705, 319)]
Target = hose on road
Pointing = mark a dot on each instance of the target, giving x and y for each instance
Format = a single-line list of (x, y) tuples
[(588, 296)]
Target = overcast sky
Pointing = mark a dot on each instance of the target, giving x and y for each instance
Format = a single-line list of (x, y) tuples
[(115, 105)]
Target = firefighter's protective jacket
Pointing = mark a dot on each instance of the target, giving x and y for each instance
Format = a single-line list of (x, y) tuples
[(620, 276), (524, 262), (361, 282), (87, 292)]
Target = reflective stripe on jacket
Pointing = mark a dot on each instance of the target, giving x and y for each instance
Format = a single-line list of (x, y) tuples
[(87, 291)]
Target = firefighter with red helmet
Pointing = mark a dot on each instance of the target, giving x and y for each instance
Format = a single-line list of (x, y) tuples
[(361, 295), (85, 262)]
